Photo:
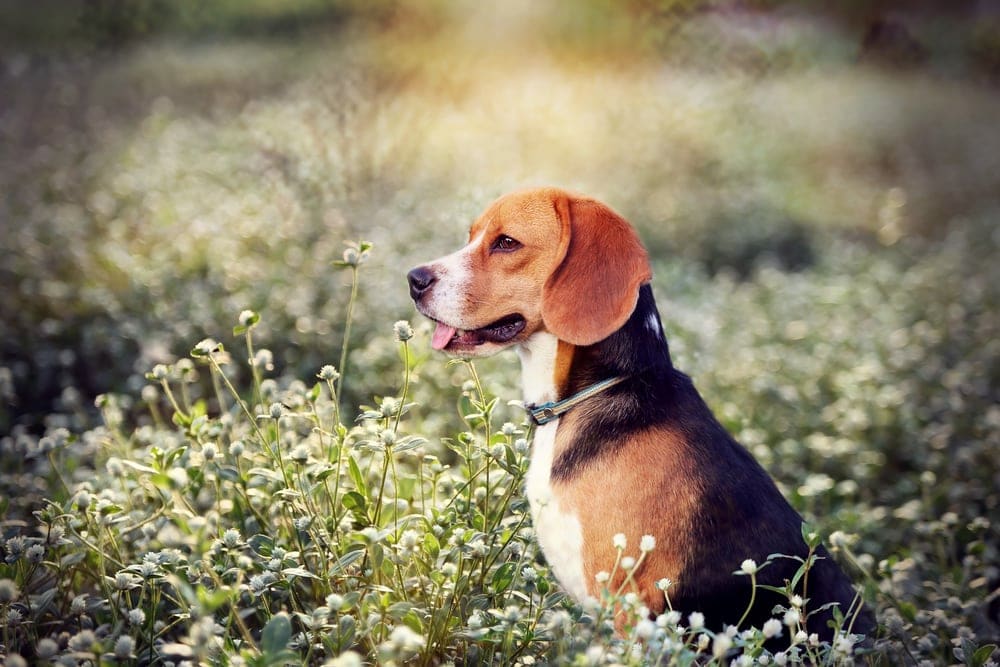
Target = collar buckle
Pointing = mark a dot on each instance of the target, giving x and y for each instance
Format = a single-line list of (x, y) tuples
[(552, 410)]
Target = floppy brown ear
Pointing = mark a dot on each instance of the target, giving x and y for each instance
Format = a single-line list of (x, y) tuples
[(595, 285)]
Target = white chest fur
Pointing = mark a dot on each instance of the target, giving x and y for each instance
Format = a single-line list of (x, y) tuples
[(558, 529)]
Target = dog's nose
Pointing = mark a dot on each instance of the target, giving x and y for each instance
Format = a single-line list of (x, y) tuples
[(421, 279)]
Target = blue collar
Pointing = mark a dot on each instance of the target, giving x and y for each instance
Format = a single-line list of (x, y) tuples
[(552, 410)]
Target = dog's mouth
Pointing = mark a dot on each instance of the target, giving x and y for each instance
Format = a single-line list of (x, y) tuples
[(502, 331)]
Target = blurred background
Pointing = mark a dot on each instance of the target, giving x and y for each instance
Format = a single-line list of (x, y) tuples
[(166, 164), (818, 184)]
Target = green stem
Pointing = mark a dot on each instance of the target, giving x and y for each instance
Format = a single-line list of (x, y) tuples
[(253, 368), (347, 334), (753, 598)]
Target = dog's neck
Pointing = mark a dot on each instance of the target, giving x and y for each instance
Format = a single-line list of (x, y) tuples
[(539, 359), (552, 370)]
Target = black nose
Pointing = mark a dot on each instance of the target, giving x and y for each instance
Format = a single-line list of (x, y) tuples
[(421, 279)]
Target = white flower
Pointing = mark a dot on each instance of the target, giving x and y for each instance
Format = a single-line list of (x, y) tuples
[(796, 600), (206, 346), (696, 620), (628, 563), (402, 331), (721, 644), (664, 583), (79, 604), (602, 577), (791, 618), (647, 543), (124, 647), (749, 566), (619, 541), (347, 659), (328, 373), (672, 618), (771, 628), (8, 591), (843, 645), (247, 317), (408, 539), (46, 649), (645, 629), (838, 539)]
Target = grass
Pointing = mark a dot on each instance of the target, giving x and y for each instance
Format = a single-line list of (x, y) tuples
[(319, 487)]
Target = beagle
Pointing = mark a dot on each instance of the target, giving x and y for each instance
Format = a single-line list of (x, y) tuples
[(623, 443)]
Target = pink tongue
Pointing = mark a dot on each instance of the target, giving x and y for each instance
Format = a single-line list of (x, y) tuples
[(442, 335)]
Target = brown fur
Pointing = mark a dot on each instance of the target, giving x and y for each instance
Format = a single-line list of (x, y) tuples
[(647, 457)]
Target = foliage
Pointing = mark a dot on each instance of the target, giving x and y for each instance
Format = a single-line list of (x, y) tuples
[(260, 525), (823, 237)]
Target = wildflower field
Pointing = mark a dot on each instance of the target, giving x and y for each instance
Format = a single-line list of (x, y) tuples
[(224, 438)]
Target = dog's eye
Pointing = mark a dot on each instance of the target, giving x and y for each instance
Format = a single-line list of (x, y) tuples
[(504, 243)]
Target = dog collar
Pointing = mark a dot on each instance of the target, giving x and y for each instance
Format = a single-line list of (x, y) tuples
[(552, 410)]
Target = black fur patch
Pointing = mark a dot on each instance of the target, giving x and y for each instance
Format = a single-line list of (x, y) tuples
[(743, 513)]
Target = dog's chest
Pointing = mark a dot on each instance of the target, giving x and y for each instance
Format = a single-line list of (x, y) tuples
[(556, 526), (557, 529)]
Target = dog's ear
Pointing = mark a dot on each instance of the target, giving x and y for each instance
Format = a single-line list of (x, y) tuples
[(600, 266)]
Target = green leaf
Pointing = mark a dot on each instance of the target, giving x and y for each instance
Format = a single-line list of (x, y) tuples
[(298, 572), (262, 544), (982, 654), (344, 561), (354, 501), (323, 471), (139, 467), (276, 634), (504, 577), (266, 473), (173, 455), (431, 545), (346, 629), (210, 600), (408, 442), (810, 535), (399, 610), (72, 559), (356, 476), (111, 508), (968, 651), (412, 620)]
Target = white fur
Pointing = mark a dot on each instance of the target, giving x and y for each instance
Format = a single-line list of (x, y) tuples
[(453, 272), (653, 322), (538, 367), (558, 530)]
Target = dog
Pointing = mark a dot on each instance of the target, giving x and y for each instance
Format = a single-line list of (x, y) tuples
[(623, 442)]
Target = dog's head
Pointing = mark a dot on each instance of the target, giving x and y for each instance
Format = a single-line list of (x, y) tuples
[(537, 260)]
